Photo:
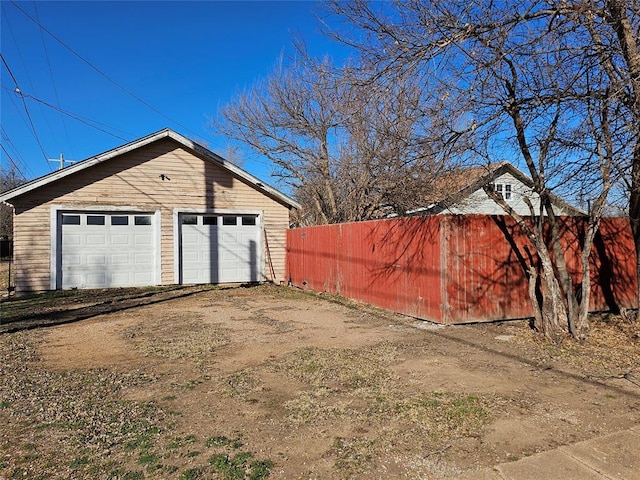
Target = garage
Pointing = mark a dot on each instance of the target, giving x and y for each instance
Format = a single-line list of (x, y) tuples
[(106, 249), (220, 248), (159, 210)]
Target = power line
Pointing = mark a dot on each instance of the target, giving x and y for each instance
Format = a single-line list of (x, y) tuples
[(24, 103), (25, 70), (26, 169), (13, 162), (15, 82), (53, 83), (96, 69), (87, 121), (18, 109)]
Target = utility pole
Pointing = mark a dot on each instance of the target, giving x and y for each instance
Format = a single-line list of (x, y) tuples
[(61, 160)]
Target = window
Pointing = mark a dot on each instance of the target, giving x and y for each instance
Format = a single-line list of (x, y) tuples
[(209, 220), (248, 220), (119, 220), (189, 220), (229, 220), (503, 190), (71, 219), (95, 219), (142, 220)]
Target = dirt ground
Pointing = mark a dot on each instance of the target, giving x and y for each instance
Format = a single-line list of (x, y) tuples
[(268, 381), (4, 277)]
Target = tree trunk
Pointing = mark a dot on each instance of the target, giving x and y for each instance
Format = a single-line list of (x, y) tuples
[(533, 287), (582, 323), (562, 272), (554, 310), (551, 316)]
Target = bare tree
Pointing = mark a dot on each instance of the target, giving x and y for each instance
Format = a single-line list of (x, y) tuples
[(545, 82), (350, 148), (9, 178)]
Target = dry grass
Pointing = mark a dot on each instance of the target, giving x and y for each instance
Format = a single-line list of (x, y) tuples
[(347, 385), (158, 337), (243, 384), (359, 371), (612, 349), (81, 410), (97, 433)]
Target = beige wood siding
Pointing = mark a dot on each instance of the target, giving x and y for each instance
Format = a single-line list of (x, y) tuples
[(31, 251), (133, 180)]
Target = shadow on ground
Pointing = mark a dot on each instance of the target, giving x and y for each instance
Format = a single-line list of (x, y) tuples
[(57, 308)]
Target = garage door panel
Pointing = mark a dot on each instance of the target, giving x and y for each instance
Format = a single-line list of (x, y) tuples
[(191, 238), (190, 278), (247, 272), (119, 239), (96, 239), (71, 260), (120, 279), (96, 260), (114, 252), (143, 240), (96, 279), (205, 257), (119, 259), (229, 256), (229, 275), (74, 278), (143, 259), (143, 278), (71, 239), (229, 239)]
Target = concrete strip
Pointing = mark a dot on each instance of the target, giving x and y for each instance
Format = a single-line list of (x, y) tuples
[(615, 456), (553, 464)]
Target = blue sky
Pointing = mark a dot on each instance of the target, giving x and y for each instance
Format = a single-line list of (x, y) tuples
[(185, 59)]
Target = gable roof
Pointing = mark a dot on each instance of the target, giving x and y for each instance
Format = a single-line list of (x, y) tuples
[(461, 183), (185, 142)]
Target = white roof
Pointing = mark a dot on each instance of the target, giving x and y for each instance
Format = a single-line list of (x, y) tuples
[(141, 142)]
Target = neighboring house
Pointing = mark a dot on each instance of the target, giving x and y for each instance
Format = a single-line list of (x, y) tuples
[(159, 210), (462, 192)]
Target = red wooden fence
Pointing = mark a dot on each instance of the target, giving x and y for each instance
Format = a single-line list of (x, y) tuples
[(452, 269)]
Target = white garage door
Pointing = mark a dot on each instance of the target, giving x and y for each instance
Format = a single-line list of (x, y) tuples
[(220, 249), (100, 250)]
